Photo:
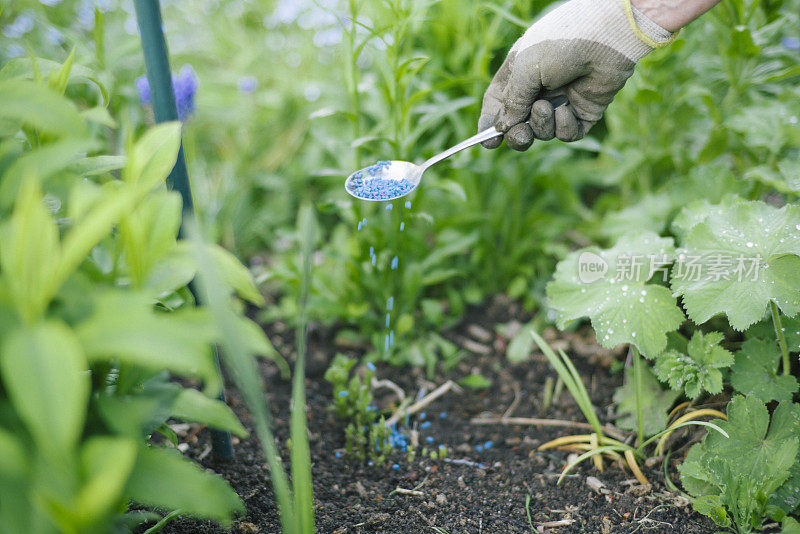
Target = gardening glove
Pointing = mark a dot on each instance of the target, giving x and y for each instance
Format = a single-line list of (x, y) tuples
[(583, 50)]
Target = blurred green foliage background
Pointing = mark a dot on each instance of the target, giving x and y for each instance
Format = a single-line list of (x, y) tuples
[(294, 95)]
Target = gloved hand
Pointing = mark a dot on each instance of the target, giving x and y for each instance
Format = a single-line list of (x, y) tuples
[(584, 50)]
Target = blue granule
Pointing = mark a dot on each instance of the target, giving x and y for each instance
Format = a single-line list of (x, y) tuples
[(395, 466), (408, 204), (388, 319), (425, 424), (390, 303), (386, 344), (394, 263), (391, 337), (488, 445), (479, 448), (402, 226), (389, 207), (371, 251), (373, 186), (422, 415), (429, 439), (443, 415), (370, 366), (374, 259), (338, 454), (344, 393)]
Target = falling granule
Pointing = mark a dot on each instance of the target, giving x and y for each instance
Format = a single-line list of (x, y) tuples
[(390, 303), (402, 226), (408, 204), (388, 318), (373, 260), (394, 263), (391, 337), (360, 225), (386, 344), (371, 366), (371, 251), (389, 207)]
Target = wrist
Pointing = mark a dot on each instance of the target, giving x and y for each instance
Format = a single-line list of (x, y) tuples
[(672, 15)]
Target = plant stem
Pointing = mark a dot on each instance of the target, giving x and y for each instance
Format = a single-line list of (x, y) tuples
[(776, 320), (637, 384)]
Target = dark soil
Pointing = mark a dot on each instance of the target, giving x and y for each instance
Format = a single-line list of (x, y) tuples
[(484, 494)]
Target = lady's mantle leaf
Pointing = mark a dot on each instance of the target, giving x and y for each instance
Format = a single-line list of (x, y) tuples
[(697, 370), (737, 260), (756, 372), (610, 287)]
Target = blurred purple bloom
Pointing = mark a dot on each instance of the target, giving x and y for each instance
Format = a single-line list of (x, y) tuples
[(184, 85), (248, 84), (21, 25), (143, 88), (792, 43)]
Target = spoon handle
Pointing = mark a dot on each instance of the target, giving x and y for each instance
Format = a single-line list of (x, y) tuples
[(474, 140)]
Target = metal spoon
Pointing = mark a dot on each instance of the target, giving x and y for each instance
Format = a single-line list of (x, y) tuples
[(390, 180)]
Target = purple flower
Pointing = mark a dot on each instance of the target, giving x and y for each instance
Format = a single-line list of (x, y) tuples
[(792, 43), (143, 88), (184, 85), (248, 84)]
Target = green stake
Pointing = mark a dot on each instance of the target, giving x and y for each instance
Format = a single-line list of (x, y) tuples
[(156, 61)]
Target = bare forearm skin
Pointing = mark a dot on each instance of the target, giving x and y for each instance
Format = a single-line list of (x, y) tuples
[(673, 15)]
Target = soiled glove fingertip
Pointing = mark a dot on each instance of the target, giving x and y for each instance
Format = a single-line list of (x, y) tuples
[(484, 123), (520, 137)]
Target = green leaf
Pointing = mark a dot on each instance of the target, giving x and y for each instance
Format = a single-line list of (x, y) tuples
[(790, 526), (139, 412), (737, 260), (758, 449), (655, 403), (29, 252), (106, 464), (756, 372), (124, 327), (47, 379), (193, 405), (698, 369), (766, 330), (153, 156), (164, 479), (520, 347), (39, 107), (234, 274), (650, 213), (712, 506), (787, 497), (476, 381), (622, 306)]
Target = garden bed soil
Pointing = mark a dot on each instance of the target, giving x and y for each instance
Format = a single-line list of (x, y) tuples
[(469, 491)]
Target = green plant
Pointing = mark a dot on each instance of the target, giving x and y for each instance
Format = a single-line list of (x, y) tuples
[(95, 320), (741, 480), (366, 434)]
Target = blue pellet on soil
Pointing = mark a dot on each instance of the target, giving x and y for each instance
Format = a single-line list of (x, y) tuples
[(429, 439), (422, 415), (395, 466), (443, 415), (425, 424), (370, 366), (338, 454), (488, 445), (479, 448)]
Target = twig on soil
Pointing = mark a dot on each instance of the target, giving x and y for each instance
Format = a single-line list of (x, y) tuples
[(555, 524), (422, 403), (517, 398), (388, 384), (405, 491), (610, 430)]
